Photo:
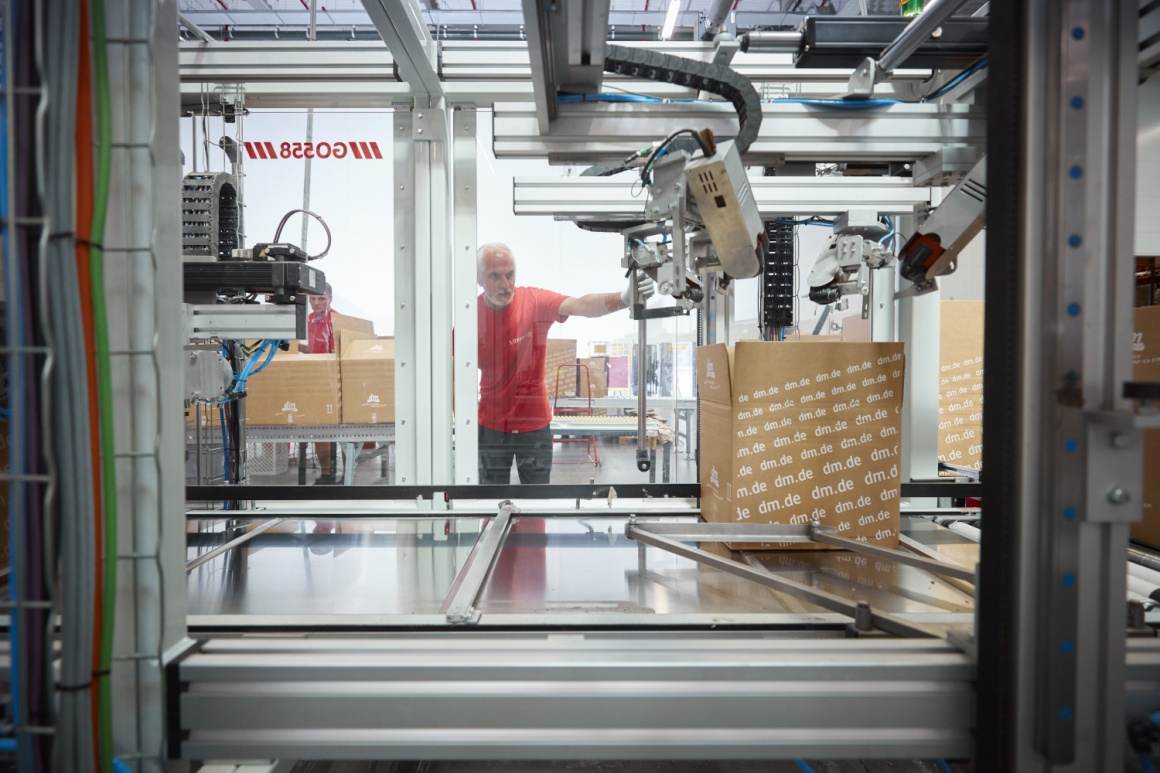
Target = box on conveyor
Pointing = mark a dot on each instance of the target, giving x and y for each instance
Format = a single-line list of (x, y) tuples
[(1146, 367), (960, 391), (367, 369), (793, 432), (295, 389), (596, 381)]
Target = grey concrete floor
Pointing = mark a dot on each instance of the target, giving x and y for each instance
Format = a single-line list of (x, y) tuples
[(635, 766)]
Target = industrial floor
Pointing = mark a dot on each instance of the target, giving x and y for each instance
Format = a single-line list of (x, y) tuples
[(636, 766)]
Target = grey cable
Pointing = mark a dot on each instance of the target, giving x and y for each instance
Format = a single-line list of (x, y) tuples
[(73, 503)]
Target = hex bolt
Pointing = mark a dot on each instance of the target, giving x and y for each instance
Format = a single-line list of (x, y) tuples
[(863, 617), (1119, 495)]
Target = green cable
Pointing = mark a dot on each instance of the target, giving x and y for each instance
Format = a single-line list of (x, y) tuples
[(104, 383)]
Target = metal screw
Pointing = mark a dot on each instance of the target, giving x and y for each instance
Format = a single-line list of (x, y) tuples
[(467, 421), (937, 33), (193, 356), (402, 188), (1119, 495), (467, 364), (403, 305), (420, 131), (1120, 440), (403, 421), (404, 477)]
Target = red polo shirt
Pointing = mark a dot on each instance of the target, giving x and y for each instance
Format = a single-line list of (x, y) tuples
[(513, 344)]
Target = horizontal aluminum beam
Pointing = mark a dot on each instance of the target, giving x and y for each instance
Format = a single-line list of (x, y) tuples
[(284, 60), (576, 696), (572, 197), (286, 74), (606, 133)]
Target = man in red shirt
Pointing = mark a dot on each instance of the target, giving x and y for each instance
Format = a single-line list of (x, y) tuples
[(514, 412), (320, 340)]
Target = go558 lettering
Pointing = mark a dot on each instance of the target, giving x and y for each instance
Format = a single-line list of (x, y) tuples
[(359, 150)]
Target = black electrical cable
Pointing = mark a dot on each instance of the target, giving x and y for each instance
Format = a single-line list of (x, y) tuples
[(282, 224)]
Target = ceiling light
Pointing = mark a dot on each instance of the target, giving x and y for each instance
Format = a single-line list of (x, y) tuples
[(671, 19)]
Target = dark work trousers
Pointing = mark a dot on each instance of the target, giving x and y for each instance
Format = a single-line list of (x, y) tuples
[(532, 452)]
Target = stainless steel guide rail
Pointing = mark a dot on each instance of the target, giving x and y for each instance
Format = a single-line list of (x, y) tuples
[(667, 536), (459, 605)]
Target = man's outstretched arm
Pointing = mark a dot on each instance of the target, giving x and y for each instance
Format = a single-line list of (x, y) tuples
[(600, 304), (592, 305)]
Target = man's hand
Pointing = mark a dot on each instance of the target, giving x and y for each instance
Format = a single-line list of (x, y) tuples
[(645, 288)]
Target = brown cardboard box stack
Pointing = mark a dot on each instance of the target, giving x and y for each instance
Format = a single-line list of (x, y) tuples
[(1146, 367), (328, 389), (596, 381), (797, 431), (960, 392), (561, 351), (367, 369)]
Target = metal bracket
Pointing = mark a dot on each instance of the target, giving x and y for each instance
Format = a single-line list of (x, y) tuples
[(1115, 466), (429, 124), (863, 78)]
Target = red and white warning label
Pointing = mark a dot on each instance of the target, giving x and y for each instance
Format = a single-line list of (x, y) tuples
[(368, 151)]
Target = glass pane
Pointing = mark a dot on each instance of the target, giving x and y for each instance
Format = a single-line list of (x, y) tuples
[(295, 400), (558, 393)]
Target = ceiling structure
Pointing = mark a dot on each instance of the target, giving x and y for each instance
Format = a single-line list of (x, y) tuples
[(628, 19)]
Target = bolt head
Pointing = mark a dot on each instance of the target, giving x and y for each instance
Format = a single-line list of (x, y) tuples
[(1119, 495)]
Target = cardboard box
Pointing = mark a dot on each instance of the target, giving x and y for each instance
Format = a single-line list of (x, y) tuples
[(367, 369), (596, 380), (295, 389), (960, 392), (1146, 367), (797, 431), (561, 383)]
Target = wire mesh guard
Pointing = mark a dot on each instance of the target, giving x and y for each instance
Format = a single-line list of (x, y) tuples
[(267, 458)]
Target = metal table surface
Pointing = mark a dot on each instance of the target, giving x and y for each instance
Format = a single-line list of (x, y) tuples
[(574, 571)]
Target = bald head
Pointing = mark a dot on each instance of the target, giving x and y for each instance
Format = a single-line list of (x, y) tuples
[(496, 274)]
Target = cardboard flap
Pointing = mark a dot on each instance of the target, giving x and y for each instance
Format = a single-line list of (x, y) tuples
[(344, 322), (368, 349), (714, 380), (348, 336)]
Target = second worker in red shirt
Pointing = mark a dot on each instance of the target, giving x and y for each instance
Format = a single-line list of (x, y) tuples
[(514, 412)]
